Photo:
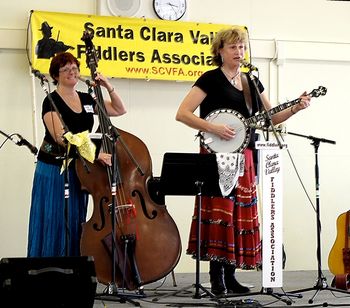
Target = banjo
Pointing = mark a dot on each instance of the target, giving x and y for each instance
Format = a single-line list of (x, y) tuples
[(241, 125)]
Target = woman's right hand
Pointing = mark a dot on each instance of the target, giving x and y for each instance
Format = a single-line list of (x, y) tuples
[(105, 159), (224, 131)]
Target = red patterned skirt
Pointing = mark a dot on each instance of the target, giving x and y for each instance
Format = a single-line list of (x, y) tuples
[(230, 226)]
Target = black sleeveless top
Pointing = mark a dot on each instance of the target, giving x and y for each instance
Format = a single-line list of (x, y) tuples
[(221, 94), (75, 122)]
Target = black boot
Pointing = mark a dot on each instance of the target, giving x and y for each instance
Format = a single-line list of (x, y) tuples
[(232, 285), (216, 273)]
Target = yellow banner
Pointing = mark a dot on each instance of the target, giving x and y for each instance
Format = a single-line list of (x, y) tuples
[(126, 47)]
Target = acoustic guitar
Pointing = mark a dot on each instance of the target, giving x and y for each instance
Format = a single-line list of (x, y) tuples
[(339, 256)]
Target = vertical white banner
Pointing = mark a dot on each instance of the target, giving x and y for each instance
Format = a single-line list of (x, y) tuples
[(271, 175)]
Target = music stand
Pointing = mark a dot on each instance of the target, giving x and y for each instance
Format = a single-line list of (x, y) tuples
[(181, 171), (191, 174)]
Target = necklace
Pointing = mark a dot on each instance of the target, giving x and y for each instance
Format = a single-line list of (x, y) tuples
[(231, 79)]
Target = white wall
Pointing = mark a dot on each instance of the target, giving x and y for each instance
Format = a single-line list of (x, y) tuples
[(313, 49)]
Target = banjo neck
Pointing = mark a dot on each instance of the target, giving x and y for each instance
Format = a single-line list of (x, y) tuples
[(262, 116)]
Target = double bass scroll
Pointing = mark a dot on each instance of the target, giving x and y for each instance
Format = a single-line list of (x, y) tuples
[(147, 241)]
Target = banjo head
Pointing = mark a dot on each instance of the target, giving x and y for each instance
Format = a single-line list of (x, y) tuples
[(215, 144)]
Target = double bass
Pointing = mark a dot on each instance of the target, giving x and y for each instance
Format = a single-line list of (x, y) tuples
[(133, 240)]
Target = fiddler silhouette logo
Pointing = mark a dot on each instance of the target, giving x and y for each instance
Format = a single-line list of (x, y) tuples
[(47, 47)]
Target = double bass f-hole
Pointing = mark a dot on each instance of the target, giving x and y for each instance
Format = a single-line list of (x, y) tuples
[(133, 240)]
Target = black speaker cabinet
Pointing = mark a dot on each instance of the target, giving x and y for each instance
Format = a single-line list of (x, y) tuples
[(47, 282)]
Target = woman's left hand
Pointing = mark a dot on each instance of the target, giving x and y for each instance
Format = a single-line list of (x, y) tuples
[(304, 101), (103, 81)]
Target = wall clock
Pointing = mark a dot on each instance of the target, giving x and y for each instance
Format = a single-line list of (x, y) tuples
[(170, 9)]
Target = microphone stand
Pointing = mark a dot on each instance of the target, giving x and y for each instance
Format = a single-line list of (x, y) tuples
[(268, 121), (65, 157), (43, 79), (19, 142), (113, 135), (8, 137), (321, 282), (110, 132), (268, 125)]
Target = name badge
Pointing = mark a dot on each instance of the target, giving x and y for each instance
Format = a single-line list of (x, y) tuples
[(89, 109)]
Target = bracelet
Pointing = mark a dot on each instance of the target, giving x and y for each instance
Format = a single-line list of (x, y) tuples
[(110, 91), (291, 110)]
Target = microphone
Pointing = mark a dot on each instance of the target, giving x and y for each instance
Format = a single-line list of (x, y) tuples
[(39, 75), (248, 65), (88, 82), (279, 129), (25, 142)]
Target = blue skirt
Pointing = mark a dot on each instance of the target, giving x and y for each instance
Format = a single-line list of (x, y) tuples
[(49, 229)]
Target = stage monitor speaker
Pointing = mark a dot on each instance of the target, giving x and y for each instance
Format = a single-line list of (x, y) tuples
[(47, 282)]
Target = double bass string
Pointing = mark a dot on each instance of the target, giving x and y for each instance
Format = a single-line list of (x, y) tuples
[(109, 132), (109, 146)]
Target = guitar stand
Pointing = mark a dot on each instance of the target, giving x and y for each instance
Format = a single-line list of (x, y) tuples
[(321, 282)]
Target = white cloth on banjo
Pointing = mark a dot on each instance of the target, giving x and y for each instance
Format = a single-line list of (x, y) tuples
[(230, 168)]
